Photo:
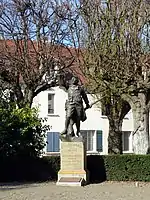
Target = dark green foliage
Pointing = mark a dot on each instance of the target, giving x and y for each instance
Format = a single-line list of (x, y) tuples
[(22, 132), (119, 168), (101, 168), (111, 167), (96, 168), (29, 169), (53, 166)]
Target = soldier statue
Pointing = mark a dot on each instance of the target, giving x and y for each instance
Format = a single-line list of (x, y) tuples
[(75, 111)]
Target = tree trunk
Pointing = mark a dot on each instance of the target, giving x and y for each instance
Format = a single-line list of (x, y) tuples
[(115, 137), (115, 108), (141, 125), (28, 97), (23, 98)]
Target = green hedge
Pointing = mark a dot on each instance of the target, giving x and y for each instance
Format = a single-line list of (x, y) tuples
[(101, 168), (119, 168), (28, 169)]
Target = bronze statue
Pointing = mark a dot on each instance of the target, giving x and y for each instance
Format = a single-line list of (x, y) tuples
[(75, 112)]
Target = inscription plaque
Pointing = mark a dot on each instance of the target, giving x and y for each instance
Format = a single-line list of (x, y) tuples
[(72, 156)]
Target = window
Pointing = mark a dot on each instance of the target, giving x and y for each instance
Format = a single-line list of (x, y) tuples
[(50, 103), (53, 142), (126, 140), (88, 136), (99, 141)]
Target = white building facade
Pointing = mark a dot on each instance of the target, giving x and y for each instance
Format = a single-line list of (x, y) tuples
[(95, 129)]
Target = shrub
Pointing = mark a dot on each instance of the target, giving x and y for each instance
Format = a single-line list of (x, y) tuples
[(29, 169), (101, 168), (111, 167), (119, 168), (22, 132)]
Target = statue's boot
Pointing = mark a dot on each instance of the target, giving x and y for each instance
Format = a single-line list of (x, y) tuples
[(64, 132), (77, 134)]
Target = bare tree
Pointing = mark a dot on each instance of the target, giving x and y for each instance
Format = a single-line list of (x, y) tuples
[(33, 49), (114, 57)]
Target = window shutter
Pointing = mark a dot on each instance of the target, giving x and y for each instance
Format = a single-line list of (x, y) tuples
[(53, 142), (99, 141), (56, 142), (49, 142)]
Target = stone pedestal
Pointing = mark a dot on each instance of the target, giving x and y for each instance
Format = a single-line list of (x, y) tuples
[(73, 170)]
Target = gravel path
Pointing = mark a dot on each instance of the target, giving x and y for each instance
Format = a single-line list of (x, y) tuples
[(49, 191)]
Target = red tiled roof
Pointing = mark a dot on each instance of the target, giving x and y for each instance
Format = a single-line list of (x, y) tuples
[(62, 53)]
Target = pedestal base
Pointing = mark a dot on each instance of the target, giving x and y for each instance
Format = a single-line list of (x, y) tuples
[(72, 178), (73, 163), (75, 181)]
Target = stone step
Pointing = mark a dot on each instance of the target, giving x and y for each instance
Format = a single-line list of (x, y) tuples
[(70, 181)]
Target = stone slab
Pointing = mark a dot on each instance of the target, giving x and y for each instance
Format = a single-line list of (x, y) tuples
[(72, 174), (67, 138), (73, 181)]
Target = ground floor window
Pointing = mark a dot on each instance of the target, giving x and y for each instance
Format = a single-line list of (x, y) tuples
[(126, 140), (88, 136), (53, 144), (93, 138)]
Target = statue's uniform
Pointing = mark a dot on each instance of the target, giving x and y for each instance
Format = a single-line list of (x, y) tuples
[(74, 104)]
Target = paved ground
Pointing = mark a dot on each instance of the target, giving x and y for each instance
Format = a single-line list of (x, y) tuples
[(49, 191)]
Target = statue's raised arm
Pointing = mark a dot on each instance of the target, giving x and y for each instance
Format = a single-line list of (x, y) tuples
[(85, 98)]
